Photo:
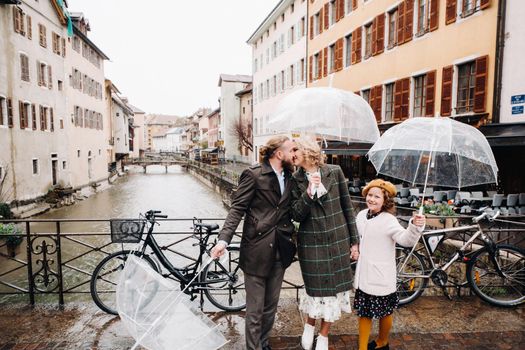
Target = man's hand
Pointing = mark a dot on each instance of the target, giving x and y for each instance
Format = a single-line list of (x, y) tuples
[(218, 250)]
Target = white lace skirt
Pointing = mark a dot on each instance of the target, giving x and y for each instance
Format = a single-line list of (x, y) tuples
[(327, 308)]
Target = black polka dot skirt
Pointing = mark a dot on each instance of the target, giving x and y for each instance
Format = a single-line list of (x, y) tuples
[(373, 306)]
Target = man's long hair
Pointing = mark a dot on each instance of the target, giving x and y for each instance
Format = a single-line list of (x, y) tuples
[(267, 151)]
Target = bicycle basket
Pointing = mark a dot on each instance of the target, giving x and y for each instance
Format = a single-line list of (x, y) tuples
[(126, 231)]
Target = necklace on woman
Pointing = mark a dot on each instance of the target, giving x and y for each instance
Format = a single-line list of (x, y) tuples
[(370, 215)]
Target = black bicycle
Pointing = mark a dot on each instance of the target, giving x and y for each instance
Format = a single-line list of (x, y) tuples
[(221, 281)]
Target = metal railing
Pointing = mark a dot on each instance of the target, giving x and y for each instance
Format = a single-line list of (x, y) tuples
[(56, 258)]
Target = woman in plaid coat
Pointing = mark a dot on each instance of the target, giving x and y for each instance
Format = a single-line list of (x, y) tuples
[(327, 239)]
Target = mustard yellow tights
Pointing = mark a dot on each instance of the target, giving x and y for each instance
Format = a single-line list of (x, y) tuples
[(365, 327)]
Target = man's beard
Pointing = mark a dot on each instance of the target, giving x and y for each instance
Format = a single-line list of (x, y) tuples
[(287, 165)]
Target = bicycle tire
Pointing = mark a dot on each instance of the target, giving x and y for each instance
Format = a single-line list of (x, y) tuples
[(106, 299), (410, 287), (481, 269), (217, 283)]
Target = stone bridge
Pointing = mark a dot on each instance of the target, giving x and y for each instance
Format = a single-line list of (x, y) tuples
[(166, 162)]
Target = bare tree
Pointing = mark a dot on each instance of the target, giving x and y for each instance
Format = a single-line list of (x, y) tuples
[(242, 131), (5, 192)]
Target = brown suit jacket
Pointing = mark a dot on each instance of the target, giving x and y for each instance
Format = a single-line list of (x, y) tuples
[(267, 224)]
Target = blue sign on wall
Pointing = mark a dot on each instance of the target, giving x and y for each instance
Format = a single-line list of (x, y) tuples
[(517, 99), (517, 110)]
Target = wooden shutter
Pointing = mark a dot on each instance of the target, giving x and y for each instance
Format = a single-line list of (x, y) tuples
[(434, 15), (9, 113), (63, 40), (339, 44), (380, 34), (33, 115), (377, 102), (480, 89), (326, 15), (21, 113), (409, 20), (310, 68), (52, 119), (405, 99), (321, 17), (398, 94), (400, 23), (340, 5), (446, 91), (16, 19), (50, 77), (319, 73), (483, 4), (29, 28), (38, 73), (325, 62), (430, 94), (311, 27), (356, 45), (354, 4), (450, 15)]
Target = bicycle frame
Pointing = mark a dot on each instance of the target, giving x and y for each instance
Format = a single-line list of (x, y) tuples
[(459, 253)]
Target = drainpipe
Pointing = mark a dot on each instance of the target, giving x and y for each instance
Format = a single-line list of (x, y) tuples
[(307, 37), (500, 48)]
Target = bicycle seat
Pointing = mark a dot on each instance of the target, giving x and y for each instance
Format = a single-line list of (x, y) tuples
[(209, 227)]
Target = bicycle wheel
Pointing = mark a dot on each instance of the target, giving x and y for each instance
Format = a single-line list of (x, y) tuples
[(410, 281), (506, 289), (106, 276), (224, 284)]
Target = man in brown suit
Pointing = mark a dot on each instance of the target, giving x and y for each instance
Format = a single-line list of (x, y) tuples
[(263, 197)]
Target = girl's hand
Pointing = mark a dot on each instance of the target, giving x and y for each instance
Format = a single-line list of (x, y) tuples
[(354, 252), (315, 179), (419, 220)]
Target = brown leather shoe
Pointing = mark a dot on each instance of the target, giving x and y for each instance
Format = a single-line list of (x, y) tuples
[(373, 346)]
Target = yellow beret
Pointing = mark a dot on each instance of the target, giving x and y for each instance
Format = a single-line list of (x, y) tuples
[(387, 186)]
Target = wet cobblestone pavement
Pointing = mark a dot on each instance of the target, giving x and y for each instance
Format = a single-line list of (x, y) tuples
[(428, 323)]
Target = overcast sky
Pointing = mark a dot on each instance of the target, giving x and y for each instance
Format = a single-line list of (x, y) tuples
[(166, 55)]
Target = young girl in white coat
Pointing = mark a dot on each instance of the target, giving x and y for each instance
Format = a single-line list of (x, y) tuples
[(375, 276)]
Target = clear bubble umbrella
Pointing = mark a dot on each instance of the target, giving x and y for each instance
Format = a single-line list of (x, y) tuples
[(435, 151), (330, 113), (157, 313)]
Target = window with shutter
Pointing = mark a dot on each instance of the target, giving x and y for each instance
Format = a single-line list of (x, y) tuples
[(29, 28), (51, 119), (33, 117), (480, 93), (446, 91), (310, 68), (3, 111), (10, 113), (42, 35), (24, 67), (451, 11), (18, 17), (419, 106), (331, 58), (42, 118), (466, 87), (63, 40), (368, 40), (373, 50), (21, 114), (389, 102), (319, 65), (50, 77), (348, 50)]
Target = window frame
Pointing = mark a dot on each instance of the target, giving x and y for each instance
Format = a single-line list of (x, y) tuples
[(392, 32), (468, 106), (419, 95), (388, 115)]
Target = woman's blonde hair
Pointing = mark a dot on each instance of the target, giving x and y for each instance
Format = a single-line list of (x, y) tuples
[(268, 150), (311, 151)]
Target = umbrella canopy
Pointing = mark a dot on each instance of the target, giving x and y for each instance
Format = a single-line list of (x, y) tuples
[(331, 113), (156, 314), (435, 151)]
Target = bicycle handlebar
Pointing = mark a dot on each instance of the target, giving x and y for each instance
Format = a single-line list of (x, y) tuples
[(486, 215)]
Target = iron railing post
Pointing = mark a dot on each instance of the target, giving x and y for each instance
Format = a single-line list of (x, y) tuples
[(59, 262), (30, 265)]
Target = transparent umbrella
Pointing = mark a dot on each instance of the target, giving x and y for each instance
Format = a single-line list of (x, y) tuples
[(156, 313), (435, 151), (330, 113)]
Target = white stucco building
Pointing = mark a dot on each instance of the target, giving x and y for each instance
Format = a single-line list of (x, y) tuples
[(138, 141), (279, 62), (33, 115), (84, 68), (230, 111)]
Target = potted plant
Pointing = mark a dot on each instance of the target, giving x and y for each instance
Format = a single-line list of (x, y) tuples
[(439, 214), (12, 236)]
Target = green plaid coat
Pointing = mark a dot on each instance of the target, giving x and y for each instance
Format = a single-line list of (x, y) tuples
[(326, 232)]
